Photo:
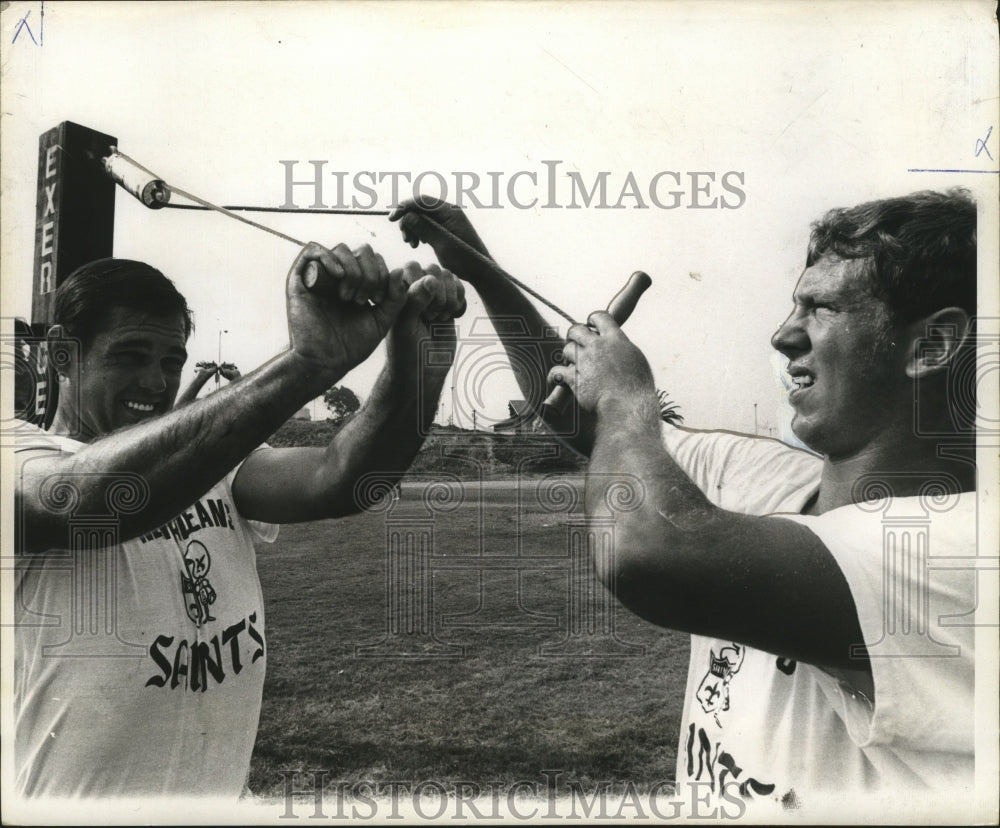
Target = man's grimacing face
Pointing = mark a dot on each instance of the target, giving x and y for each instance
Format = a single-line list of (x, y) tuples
[(129, 372), (846, 359)]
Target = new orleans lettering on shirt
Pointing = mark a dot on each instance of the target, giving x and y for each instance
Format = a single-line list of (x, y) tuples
[(206, 513)]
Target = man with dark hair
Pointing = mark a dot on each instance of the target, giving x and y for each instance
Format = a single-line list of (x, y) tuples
[(140, 639), (92, 301), (82, 302), (829, 660)]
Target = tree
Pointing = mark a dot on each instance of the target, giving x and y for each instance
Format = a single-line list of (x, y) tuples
[(341, 401), (669, 411)]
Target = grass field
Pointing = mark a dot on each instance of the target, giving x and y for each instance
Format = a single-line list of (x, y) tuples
[(502, 712)]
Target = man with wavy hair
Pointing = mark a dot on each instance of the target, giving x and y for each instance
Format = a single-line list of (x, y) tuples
[(829, 660)]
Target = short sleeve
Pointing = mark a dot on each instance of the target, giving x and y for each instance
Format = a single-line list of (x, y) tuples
[(30, 438), (266, 532), (729, 468), (902, 559), (33, 442)]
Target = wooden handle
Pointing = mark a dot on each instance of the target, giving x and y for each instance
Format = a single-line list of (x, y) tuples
[(620, 308), (627, 298), (316, 279)]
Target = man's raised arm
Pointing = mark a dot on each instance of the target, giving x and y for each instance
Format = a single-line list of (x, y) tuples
[(182, 454), (682, 562), (204, 371), (373, 450), (504, 302)]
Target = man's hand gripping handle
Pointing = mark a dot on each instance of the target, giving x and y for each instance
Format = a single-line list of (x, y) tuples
[(620, 308)]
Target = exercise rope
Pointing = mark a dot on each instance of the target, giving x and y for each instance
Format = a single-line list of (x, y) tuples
[(155, 193)]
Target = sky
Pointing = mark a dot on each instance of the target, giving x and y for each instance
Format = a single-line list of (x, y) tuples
[(805, 106)]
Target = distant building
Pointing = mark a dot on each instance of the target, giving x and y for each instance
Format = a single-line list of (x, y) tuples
[(522, 419), (302, 414)]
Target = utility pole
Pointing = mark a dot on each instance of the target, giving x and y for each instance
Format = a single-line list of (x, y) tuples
[(755, 418)]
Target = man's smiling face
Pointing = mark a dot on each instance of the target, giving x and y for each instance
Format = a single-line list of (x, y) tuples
[(129, 372)]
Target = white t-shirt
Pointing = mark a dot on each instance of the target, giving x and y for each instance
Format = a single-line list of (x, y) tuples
[(772, 729), (139, 667)]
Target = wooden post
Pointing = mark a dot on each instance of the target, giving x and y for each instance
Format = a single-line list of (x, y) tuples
[(74, 224)]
